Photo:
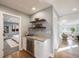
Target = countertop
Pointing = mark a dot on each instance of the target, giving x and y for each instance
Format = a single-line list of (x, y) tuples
[(39, 38)]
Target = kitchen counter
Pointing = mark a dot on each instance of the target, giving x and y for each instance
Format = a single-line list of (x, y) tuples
[(39, 38), (40, 46)]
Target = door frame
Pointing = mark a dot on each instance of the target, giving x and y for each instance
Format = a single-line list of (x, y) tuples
[(20, 38)]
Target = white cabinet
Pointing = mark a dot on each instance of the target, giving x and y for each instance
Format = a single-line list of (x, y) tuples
[(38, 49), (42, 49)]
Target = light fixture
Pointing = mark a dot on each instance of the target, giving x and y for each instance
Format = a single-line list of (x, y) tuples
[(33, 8), (64, 21), (74, 9)]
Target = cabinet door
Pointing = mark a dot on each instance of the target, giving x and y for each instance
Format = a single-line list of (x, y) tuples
[(39, 52), (30, 45)]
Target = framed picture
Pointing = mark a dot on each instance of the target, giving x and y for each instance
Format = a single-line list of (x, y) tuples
[(6, 29), (15, 27)]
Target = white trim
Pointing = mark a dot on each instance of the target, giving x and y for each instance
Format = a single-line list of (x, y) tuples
[(20, 41), (2, 48), (20, 44), (10, 14)]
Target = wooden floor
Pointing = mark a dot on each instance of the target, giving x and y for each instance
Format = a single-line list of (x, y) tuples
[(19, 54), (72, 52), (68, 54)]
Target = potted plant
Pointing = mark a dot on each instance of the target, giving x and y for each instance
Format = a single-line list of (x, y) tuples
[(72, 29)]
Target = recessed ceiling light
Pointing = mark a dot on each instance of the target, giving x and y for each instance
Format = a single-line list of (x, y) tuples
[(33, 8), (74, 9), (63, 21)]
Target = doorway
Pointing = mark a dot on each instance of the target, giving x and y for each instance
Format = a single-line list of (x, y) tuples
[(68, 38), (11, 34)]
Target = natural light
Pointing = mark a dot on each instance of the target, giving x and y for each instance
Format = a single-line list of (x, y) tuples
[(66, 48)]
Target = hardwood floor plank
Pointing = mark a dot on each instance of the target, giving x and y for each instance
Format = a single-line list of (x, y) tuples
[(20, 54)]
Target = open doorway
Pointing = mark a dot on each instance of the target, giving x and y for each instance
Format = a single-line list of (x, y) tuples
[(68, 33), (11, 34)]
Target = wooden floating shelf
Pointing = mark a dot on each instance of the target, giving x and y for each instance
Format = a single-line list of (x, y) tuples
[(37, 27), (37, 24), (42, 20)]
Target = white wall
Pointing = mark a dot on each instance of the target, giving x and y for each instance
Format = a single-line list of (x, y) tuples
[(1, 35), (45, 14), (24, 18), (55, 29), (69, 19)]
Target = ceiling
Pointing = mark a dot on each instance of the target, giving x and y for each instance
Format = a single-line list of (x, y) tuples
[(63, 7), (25, 6)]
